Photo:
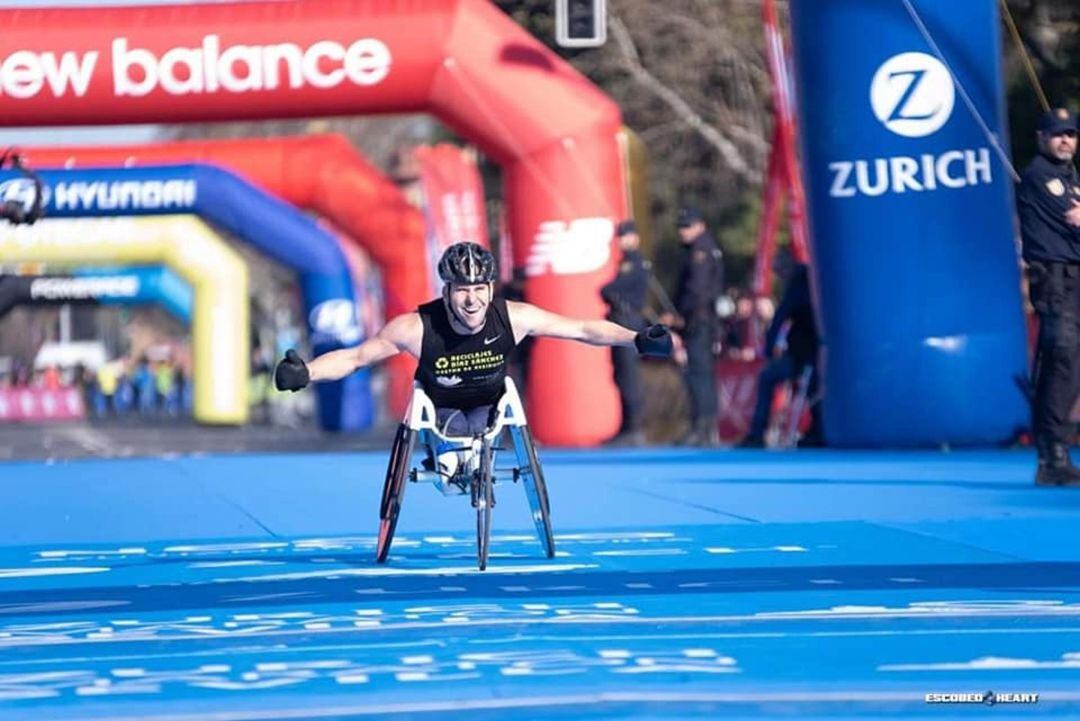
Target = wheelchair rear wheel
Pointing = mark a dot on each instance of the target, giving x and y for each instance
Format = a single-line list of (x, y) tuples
[(397, 473), (536, 491), (483, 498)]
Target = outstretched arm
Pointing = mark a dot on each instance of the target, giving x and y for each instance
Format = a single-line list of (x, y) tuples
[(403, 333), (527, 319)]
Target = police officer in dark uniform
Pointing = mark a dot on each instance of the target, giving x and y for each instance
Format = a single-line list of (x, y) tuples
[(701, 281), (1048, 201), (625, 296)]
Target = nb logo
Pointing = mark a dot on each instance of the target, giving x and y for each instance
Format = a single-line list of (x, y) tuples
[(581, 246), (912, 94)]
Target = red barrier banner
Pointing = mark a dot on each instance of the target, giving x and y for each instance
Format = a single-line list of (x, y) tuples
[(736, 386), (33, 405), (453, 198)]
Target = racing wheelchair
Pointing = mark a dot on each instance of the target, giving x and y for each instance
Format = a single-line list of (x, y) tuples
[(474, 477)]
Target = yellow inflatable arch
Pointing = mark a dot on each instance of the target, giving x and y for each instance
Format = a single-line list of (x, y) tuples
[(217, 274)]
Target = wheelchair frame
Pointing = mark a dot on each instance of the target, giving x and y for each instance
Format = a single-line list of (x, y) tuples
[(419, 429)]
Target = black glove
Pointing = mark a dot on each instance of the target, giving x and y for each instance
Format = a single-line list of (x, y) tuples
[(655, 341), (292, 373)]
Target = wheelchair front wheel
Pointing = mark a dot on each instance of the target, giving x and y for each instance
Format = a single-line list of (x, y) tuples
[(483, 500), (397, 473)]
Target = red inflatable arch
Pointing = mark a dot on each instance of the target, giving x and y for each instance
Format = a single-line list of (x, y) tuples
[(461, 60), (323, 173)]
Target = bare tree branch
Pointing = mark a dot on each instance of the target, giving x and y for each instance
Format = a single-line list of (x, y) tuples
[(731, 154)]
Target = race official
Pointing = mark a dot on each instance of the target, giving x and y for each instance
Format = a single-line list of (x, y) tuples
[(701, 282), (1048, 201), (625, 296)]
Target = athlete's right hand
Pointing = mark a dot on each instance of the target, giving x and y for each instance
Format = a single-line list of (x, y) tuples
[(291, 373)]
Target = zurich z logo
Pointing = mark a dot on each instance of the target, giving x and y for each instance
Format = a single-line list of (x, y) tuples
[(912, 94), (898, 112)]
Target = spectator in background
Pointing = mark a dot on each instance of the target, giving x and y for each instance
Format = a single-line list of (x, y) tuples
[(183, 393), (1048, 201), (106, 385), (738, 342), (145, 387), (20, 374), (163, 379), (124, 398), (795, 316), (50, 378), (764, 310), (701, 282), (625, 296), (85, 381)]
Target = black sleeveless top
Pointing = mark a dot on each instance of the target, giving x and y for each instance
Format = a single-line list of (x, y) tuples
[(464, 371)]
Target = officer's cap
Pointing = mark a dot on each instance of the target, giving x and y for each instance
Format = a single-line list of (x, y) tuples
[(625, 228), (688, 216), (1057, 120)]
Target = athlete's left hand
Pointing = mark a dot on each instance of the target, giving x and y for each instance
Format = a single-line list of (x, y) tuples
[(654, 341)]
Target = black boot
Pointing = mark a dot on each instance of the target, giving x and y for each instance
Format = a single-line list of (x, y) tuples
[(1056, 468)]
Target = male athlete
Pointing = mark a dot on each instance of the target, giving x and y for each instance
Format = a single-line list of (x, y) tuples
[(463, 342)]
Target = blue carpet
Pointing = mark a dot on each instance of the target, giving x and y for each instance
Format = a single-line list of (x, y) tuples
[(687, 585)]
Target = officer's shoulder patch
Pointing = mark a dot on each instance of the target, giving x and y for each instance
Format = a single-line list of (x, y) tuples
[(1056, 187), (1076, 190)]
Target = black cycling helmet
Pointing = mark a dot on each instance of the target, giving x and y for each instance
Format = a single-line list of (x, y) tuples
[(467, 264)]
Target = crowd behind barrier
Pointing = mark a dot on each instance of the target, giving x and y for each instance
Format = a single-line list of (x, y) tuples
[(119, 388)]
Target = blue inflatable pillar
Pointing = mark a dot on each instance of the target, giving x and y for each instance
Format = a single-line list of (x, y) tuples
[(915, 266)]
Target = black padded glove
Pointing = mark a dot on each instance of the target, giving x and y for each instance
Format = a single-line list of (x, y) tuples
[(655, 341), (291, 373)]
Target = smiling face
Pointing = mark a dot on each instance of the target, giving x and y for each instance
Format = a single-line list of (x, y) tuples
[(468, 305)]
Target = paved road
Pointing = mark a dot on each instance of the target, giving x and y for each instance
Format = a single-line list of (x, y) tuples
[(687, 585)]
